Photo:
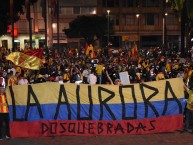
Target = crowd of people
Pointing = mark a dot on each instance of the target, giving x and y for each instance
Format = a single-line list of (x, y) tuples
[(100, 66), (72, 66)]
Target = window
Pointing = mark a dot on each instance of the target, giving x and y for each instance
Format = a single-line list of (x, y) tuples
[(85, 10), (110, 3), (66, 11), (128, 3), (104, 3), (150, 3), (92, 10), (117, 20), (111, 19), (131, 20), (171, 19), (76, 10), (150, 19)]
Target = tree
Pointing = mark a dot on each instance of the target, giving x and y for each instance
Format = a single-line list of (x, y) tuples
[(180, 4), (5, 18), (185, 8), (88, 27)]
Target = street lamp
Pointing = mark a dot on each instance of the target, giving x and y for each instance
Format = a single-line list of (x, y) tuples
[(137, 15), (108, 11), (163, 37)]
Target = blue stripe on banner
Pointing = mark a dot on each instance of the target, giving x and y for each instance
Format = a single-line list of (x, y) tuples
[(49, 110)]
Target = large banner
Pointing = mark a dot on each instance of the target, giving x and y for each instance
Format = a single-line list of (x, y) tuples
[(53, 109)]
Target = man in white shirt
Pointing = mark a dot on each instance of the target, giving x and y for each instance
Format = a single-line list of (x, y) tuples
[(22, 80), (92, 78), (85, 74)]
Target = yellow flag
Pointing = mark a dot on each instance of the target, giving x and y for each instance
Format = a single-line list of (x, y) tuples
[(30, 59)]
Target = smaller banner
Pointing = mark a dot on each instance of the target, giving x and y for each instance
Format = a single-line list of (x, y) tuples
[(30, 59), (124, 77)]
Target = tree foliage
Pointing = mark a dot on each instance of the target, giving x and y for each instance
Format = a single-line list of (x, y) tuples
[(180, 4), (87, 27), (5, 18)]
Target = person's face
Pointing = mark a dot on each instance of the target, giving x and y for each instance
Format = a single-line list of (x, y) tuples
[(4, 74), (118, 82)]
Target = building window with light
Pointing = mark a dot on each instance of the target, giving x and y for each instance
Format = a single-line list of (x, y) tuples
[(66, 10)]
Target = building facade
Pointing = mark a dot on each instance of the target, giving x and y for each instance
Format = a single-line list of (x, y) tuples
[(149, 23)]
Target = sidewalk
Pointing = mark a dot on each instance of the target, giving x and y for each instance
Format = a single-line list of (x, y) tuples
[(174, 138)]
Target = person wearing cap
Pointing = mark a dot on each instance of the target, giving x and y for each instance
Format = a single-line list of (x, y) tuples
[(116, 82), (4, 114)]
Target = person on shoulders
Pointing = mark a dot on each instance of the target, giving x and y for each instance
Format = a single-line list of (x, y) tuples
[(116, 82)]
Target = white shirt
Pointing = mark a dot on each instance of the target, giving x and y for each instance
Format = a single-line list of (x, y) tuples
[(92, 79), (85, 73), (22, 82)]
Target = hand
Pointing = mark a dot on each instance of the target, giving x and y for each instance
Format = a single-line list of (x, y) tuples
[(190, 103)]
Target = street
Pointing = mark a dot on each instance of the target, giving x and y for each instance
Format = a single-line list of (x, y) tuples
[(173, 138)]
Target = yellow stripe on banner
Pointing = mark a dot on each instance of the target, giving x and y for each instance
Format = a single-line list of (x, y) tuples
[(48, 93), (25, 61)]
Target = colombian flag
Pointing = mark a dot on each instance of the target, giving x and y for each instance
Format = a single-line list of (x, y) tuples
[(31, 59), (53, 109)]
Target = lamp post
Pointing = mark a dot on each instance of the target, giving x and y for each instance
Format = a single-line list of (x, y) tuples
[(163, 37), (137, 15), (108, 11)]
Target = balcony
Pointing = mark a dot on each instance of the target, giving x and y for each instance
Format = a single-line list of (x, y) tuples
[(144, 29)]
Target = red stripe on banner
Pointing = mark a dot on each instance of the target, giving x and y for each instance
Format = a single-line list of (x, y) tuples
[(93, 128)]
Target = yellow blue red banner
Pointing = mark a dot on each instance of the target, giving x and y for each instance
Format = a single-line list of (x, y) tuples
[(52, 109)]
